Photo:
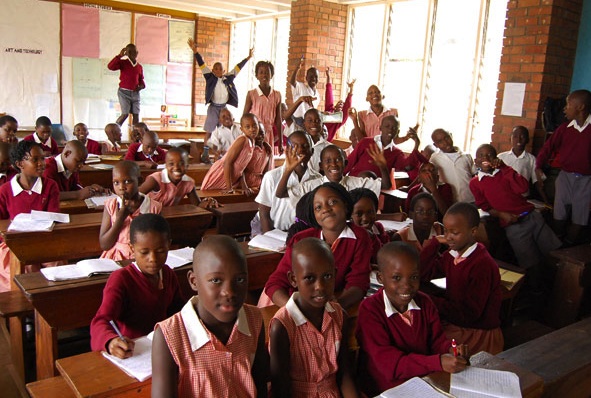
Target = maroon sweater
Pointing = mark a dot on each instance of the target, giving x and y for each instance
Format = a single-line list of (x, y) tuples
[(64, 184), (351, 260), (473, 290), (93, 147), (573, 146), (133, 154), (503, 192), (11, 205), (130, 76), (134, 304), (391, 351), (51, 149)]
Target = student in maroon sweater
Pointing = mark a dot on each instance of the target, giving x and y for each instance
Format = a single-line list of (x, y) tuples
[(428, 181), (398, 328), (42, 136), (146, 153), (139, 295), (471, 303), (81, 134), (131, 81)]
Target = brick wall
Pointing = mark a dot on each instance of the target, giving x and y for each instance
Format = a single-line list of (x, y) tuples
[(213, 40), (318, 31), (539, 50)]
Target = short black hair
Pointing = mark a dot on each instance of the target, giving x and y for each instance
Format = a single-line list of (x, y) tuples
[(420, 196), (522, 129), (393, 117), (262, 64), (148, 223), (7, 118), (302, 133), (309, 246), (141, 125), (20, 150), (340, 191), (490, 147), (42, 121), (584, 96), (177, 149), (332, 147), (131, 166), (219, 243), (467, 210), (392, 249), (359, 193), (250, 116)]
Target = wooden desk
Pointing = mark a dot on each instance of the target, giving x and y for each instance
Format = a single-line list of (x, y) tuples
[(55, 387), (531, 384), (561, 358), (183, 132), (234, 218), (235, 197), (77, 207), (90, 175), (71, 304)]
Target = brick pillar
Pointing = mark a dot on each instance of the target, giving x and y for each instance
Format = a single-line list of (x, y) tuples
[(539, 50), (213, 40), (318, 32)]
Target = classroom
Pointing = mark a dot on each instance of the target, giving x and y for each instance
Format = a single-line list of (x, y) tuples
[(456, 79)]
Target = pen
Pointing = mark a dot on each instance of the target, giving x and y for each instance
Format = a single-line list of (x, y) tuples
[(400, 208), (454, 346), (119, 331)]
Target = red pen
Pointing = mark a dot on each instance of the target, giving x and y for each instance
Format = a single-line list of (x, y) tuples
[(454, 346)]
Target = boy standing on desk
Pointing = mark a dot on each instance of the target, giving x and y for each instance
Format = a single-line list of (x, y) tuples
[(131, 81), (572, 140), (64, 169), (219, 91), (42, 136)]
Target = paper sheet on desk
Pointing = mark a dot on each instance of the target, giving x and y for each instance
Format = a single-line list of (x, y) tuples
[(82, 269), (482, 383), (178, 258), (37, 215), (98, 201), (272, 240), (140, 364), (23, 223), (415, 387)]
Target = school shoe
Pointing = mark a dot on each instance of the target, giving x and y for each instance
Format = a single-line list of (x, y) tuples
[(205, 155)]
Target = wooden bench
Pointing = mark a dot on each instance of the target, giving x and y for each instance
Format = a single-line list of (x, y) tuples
[(54, 387), (561, 358), (14, 307)]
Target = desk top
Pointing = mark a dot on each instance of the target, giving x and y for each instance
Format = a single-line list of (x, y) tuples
[(176, 129)]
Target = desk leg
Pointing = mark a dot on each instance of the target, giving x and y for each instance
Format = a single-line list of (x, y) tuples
[(16, 345), (16, 268), (46, 348)]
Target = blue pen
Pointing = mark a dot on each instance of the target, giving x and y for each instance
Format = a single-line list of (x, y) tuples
[(525, 213), (117, 330)]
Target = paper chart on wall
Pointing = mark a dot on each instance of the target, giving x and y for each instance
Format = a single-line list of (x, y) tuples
[(109, 82), (86, 75), (80, 31), (178, 84), (115, 28), (153, 94), (178, 33), (152, 40)]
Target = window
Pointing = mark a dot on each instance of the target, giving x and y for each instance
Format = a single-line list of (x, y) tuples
[(438, 66)]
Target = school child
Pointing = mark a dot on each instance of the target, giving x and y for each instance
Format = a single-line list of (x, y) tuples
[(120, 211), (26, 191), (498, 189), (215, 346), (170, 185), (330, 107), (224, 135), (360, 159), (572, 141), (42, 136), (308, 339), (146, 153), (365, 208), (369, 122), (64, 168), (265, 103), (307, 89), (6, 169), (8, 129), (228, 172), (471, 304), (279, 213), (455, 167), (81, 134), (328, 213), (219, 91), (113, 143), (398, 328), (131, 82), (423, 212), (139, 295), (332, 165), (137, 132), (428, 181), (260, 162)]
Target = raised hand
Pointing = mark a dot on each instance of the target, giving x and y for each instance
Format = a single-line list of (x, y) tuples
[(250, 53), (122, 52), (351, 84), (377, 155), (192, 44)]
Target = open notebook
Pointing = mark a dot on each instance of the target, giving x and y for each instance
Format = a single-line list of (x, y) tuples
[(272, 240), (37, 221), (82, 269), (415, 387), (140, 364), (179, 257), (482, 383)]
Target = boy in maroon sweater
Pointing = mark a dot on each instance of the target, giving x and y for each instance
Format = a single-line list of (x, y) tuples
[(131, 81), (572, 140), (398, 329), (146, 153), (42, 136), (499, 190)]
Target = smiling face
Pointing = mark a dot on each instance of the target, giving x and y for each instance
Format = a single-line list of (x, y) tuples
[(332, 164), (81, 132), (374, 95), (176, 166), (150, 250), (8, 132), (218, 69), (458, 232), (313, 274), (263, 74), (442, 140), (313, 124), (389, 128), (226, 118), (485, 155), (33, 164), (329, 210), (302, 146), (364, 213), (312, 77), (399, 273), (519, 139)]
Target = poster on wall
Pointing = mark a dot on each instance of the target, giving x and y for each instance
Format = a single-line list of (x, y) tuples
[(178, 84), (86, 78), (80, 31), (154, 77), (151, 39), (178, 33), (29, 60)]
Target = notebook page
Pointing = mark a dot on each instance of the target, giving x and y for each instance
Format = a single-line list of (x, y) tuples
[(98, 201), (63, 273), (37, 215), (97, 266), (478, 382), (267, 243), (179, 257), (23, 223), (140, 364), (415, 387)]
